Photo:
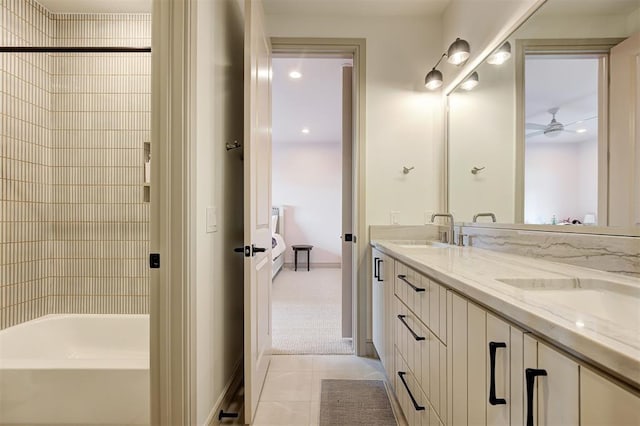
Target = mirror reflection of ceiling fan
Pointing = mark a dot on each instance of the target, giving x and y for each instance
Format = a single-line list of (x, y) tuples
[(554, 128)]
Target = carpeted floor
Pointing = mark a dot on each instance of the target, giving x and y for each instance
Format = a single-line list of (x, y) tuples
[(306, 313)]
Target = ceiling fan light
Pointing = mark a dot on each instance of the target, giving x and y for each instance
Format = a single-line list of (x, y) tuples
[(470, 82), (433, 80), (501, 55), (458, 52)]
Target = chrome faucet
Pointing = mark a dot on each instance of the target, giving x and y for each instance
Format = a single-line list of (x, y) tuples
[(491, 215), (451, 239)]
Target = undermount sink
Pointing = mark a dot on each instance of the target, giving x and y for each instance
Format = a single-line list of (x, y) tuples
[(428, 244), (608, 300)]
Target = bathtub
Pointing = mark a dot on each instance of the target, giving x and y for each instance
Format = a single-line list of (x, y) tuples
[(76, 369)]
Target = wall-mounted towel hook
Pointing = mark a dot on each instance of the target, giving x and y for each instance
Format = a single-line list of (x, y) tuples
[(406, 169), (476, 170), (234, 145)]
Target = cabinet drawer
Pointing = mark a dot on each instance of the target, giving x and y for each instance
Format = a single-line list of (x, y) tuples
[(412, 400), (424, 355), (424, 297)]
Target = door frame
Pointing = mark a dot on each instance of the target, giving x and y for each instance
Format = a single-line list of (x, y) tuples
[(569, 47), (172, 221), (357, 48)]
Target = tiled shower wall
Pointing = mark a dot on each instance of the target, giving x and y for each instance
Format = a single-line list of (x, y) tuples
[(86, 249), (25, 140)]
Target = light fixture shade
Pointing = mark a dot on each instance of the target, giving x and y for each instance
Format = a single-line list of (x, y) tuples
[(433, 80), (458, 52), (501, 55), (470, 82)]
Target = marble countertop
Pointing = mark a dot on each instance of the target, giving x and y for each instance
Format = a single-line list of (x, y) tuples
[(600, 324)]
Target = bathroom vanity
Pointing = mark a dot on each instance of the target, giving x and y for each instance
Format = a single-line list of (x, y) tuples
[(473, 336)]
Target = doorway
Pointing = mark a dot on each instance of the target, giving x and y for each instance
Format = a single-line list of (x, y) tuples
[(312, 180)]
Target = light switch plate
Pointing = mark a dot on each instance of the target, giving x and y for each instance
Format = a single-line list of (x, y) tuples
[(212, 219)]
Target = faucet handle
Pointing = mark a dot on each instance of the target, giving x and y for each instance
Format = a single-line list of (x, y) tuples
[(461, 239), (444, 236)]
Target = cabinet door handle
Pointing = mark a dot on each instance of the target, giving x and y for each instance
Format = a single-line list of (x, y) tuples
[(416, 289), (376, 273), (380, 262), (531, 374), (492, 387), (417, 407), (415, 336)]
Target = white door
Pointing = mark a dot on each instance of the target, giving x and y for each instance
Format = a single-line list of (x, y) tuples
[(624, 137), (257, 206)]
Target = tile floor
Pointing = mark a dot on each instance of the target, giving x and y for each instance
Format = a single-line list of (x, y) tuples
[(291, 394)]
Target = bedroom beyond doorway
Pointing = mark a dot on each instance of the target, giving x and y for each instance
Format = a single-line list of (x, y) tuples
[(310, 312)]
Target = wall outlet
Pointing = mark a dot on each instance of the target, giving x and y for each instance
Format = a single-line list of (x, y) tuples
[(212, 219), (427, 216), (395, 217)]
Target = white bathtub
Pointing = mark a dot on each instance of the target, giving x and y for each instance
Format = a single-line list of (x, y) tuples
[(76, 369)]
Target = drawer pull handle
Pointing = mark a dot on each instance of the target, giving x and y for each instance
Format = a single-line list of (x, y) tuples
[(376, 273), (493, 346), (380, 262), (415, 336), (417, 407), (416, 289), (531, 374)]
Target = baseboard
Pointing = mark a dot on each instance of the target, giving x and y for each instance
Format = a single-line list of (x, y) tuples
[(303, 265), (227, 395)]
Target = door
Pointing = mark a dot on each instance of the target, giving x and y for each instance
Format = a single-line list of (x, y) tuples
[(624, 137), (257, 206), (347, 201)]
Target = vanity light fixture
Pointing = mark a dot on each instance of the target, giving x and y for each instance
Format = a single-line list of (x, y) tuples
[(471, 82), (501, 55), (295, 75), (457, 53)]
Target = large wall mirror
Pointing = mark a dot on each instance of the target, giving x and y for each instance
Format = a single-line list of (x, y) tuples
[(546, 135)]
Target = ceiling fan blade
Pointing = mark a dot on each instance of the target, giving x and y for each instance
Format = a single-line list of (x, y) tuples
[(534, 134), (581, 121), (535, 126)]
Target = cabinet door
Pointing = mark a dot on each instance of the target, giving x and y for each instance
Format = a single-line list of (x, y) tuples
[(377, 304), (605, 403), (554, 397), (499, 352), (387, 272)]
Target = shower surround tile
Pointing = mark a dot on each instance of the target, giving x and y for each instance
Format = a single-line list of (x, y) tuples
[(75, 229)]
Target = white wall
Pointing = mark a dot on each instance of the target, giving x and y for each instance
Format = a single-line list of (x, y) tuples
[(403, 121), (218, 181), (307, 179), (558, 182)]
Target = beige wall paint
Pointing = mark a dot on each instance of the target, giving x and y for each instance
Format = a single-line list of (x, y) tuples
[(403, 121), (218, 179)]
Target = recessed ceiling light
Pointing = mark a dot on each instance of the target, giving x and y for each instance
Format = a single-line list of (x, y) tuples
[(305, 131), (295, 74), (581, 130)]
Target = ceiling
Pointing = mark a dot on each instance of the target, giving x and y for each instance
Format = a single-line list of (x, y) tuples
[(313, 101), (588, 7), (570, 84), (356, 7), (97, 6)]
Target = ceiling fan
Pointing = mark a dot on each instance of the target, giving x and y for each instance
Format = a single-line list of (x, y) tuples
[(554, 128)]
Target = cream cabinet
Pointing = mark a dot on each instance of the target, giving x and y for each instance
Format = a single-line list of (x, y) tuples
[(450, 361), (382, 300), (552, 387), (484, 385)]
